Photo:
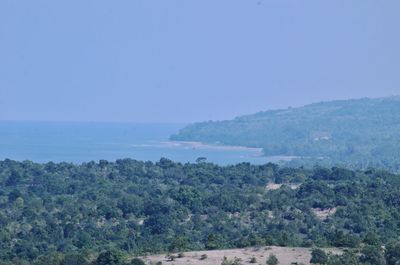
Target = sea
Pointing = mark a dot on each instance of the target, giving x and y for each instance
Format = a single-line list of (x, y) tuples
[(80, 142)]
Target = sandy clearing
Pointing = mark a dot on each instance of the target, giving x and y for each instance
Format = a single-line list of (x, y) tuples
[(324, 213), (285, 255), (275, 186)]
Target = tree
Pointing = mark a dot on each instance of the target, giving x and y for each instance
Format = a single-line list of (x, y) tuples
[(372, 255), (53, 258), (347, 258), (200, 160), (14, 178), (371, 238), (74, 259), (137, 261), (392, 254), (110, 257), (272, 260), (179, 243), (212, 242), (318, 256)]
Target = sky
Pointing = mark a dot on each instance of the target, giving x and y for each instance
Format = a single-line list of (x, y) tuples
[(186, 61)]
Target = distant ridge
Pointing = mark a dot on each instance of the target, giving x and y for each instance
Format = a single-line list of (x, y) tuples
[(356, 132)]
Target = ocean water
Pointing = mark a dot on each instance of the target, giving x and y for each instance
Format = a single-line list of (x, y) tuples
[(84, 142)]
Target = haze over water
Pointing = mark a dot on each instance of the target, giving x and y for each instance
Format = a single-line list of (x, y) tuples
[(84, 142)]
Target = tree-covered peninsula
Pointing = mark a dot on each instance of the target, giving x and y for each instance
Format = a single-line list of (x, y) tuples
[(358, 133)]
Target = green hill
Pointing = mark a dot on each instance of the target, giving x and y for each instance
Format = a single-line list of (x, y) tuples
[(357, 133)]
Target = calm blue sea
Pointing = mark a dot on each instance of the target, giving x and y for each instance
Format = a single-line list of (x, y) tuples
[(83, 142)]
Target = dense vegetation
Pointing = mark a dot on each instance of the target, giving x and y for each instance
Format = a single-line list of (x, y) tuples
[(48, 210), (353, 133), (369, 255)]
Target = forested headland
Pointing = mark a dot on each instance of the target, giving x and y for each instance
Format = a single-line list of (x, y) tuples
[(53, 212), (358, 133)]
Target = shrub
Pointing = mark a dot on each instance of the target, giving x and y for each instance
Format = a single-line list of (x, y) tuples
[(171, 257), (318, 256), (110, 257), (235, 261), (137, 261), (272, 260)]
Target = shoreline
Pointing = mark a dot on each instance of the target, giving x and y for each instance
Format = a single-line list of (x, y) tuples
[(257, 151), (200, 145)]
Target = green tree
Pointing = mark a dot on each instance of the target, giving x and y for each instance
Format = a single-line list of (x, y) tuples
[(110, 257), (179, 243), (53, 258), (74, 259), (372, 255), (371, 238), (318, 256), (392, 254), (347, 258), (272, 260), (137, 261), (201, 160), (213, 242)]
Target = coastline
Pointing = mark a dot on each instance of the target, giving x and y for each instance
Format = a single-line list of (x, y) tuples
[(200, 145), (257, 151)]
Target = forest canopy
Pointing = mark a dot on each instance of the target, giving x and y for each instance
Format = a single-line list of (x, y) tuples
[(358, 133), (144, 207)]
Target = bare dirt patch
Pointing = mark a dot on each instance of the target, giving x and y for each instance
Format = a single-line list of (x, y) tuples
[(324, 213), (285, 255), (275, 186)]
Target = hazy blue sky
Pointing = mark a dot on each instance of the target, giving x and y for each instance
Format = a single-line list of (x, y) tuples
[(172, 60)]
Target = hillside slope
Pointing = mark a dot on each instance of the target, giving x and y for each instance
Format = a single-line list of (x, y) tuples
[(359, 132)]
